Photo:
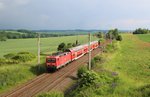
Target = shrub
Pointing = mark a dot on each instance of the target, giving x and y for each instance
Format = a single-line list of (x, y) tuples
[(9, 55), (24, 57), (81, 71), (24, 53), (89, 78), (7, 61), (2, 61), (51, 94), (38, 69), (119, 38)]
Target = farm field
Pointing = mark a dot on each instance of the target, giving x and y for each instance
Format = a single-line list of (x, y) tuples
[(144, 37), (48, 45), (130, 68)]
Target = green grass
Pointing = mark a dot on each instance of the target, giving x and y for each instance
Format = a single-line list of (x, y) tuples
[(144, 37), (15, 74), (131, 63), (48, 45)]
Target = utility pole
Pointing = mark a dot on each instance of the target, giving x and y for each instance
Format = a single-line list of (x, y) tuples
[(77, 39), (89, 65), (38, 44)]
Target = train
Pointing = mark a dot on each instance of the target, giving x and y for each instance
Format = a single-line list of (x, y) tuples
[(56, 61)]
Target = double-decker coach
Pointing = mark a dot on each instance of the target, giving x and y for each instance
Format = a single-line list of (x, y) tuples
[(61, 59)]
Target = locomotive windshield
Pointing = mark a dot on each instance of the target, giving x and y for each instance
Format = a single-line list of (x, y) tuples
[(51, 60)]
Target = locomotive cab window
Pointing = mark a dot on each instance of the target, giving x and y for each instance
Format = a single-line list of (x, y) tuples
[(51, 60)]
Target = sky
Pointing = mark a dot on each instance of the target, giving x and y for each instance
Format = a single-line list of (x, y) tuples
[(74, 14)]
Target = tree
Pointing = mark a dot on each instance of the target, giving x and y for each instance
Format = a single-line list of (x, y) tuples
[(119, 38), (141, 31), (99, 35), (3, 38), (61, 47), (113, 34), (69, 45)]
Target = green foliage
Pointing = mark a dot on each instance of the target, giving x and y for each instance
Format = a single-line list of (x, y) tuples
[(69, 45), (126, 74), (112, 47), (80, 72), (12, 75), (4, 61), (98, 84), (64, 47), (99, 35), (100, 58), (3, 38), (24, 57), (141, 31), (114, 34), (61, 47), (51, 94), (119, 38), (10, 55), (38, 69), (13, 58), (87, 78)]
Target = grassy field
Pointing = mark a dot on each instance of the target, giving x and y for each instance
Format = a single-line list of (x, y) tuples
[(144, 37), (125, 72), (132, 63), (48, 45), (15, 74)]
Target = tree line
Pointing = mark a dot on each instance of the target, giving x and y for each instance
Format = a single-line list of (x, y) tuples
[(141, 31), (111, 34), (4, 35)]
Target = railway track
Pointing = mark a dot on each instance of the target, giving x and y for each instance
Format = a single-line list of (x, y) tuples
[(47, 82)]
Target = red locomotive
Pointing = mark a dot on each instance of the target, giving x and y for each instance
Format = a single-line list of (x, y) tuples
[(61, 59)]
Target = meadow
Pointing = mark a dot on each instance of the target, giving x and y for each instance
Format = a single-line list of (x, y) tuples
[(132, 63), (48, 45), (12, 75), (124, 73), (144, 37)]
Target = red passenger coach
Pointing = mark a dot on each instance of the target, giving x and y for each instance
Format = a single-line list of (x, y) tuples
[(76, 52), (94, 44)]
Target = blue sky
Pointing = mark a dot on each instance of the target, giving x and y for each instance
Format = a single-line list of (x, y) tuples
[(74, 14)]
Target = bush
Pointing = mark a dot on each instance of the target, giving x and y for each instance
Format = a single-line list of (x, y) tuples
[(81, 71), (24, 53), (24, 57), (10, 55), (51, 94), (7, 61), (119, 38), (89, 78)]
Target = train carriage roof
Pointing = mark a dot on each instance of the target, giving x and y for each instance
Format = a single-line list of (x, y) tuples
[(81, 46), (76, 48)]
